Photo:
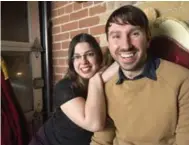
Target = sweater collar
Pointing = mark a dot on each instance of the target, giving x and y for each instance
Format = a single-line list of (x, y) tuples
[(149, 71)]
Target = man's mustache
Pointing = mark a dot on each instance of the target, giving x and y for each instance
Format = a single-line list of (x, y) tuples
[(126, 49)]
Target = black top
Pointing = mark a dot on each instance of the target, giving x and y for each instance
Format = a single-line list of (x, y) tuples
[(59, 129)]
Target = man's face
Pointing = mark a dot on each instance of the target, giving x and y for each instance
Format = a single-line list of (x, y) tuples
[(128, 45)]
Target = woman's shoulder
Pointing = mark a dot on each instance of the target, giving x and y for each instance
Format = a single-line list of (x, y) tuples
[(64, 91), (64, 83)]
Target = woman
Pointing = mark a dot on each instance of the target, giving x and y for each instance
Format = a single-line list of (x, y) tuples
[(79, 97)]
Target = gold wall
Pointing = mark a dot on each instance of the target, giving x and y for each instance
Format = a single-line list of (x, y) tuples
[(179, 10)]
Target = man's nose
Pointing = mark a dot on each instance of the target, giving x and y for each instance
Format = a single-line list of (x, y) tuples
[(126, 43)]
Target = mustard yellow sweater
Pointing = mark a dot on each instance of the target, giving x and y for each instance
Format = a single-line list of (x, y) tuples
[(148, 112)]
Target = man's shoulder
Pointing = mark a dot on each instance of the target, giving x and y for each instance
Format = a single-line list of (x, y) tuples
[(173, 68), (171, 72)]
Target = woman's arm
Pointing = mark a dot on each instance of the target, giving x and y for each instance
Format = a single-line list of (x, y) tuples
[(110, 71), (89, 114)]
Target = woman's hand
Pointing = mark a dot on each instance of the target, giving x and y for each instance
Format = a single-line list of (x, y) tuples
[(97, 81), (109, 72)]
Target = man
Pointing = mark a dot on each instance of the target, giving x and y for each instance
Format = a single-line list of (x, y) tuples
[(148, 99)]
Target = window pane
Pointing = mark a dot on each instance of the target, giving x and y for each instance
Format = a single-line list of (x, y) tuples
[(14, 21), (19, 71)]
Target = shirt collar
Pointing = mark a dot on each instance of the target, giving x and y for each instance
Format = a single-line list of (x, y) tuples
[(149, 70)]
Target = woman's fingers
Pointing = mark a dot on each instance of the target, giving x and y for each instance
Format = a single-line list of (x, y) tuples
[(102, 70)]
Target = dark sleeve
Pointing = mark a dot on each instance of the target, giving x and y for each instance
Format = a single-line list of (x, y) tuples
[(63, 92)]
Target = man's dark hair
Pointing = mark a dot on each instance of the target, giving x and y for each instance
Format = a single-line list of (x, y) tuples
[(83, 37), (128, 14)]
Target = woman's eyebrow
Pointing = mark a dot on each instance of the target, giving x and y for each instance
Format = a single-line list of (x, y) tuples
[(84, 52)]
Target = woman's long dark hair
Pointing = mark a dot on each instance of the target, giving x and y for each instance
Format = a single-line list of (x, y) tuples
[(71, 73)]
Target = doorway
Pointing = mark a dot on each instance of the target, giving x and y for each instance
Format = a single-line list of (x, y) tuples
[(21, 51)]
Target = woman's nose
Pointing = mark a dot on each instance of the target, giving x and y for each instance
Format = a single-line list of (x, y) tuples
[(84, 59)]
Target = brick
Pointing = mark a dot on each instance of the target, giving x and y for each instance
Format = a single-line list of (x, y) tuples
[(87, 4), (65, 44), (77, 6), (55, 29), (73, 33), (97, 30), (62, 62), (64, 19), (60, 69), (60, 53), (79, 14), (58, 4), (56, 46), (54, 13), (97, 9), (89, 22), (57, 78), (69, 8), (55, 62), (69, 26), (97, 2), (61, 11), (60, 37), (61, 20), (56, 21)]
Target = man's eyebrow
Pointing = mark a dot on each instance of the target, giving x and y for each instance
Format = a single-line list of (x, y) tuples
[(132, 29), (114, 32), (136, 28)]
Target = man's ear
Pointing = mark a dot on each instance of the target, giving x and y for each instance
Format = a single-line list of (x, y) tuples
[(148, 37)]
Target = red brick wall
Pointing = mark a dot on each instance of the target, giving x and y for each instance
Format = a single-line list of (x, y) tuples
[(69, 19)]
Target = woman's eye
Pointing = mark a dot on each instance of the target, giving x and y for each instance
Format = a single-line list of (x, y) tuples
[(77, 57), (91, 54)]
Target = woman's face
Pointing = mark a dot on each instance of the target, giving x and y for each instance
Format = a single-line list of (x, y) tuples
[(85, 60)]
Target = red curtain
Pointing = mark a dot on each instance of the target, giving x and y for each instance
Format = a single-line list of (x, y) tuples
[(169, 49), (13, 124)]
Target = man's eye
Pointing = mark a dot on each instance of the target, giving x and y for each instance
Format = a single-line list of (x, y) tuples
[(135, 33), (115, 36)]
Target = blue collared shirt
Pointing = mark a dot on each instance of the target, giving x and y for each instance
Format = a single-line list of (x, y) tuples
[(149, 71)]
